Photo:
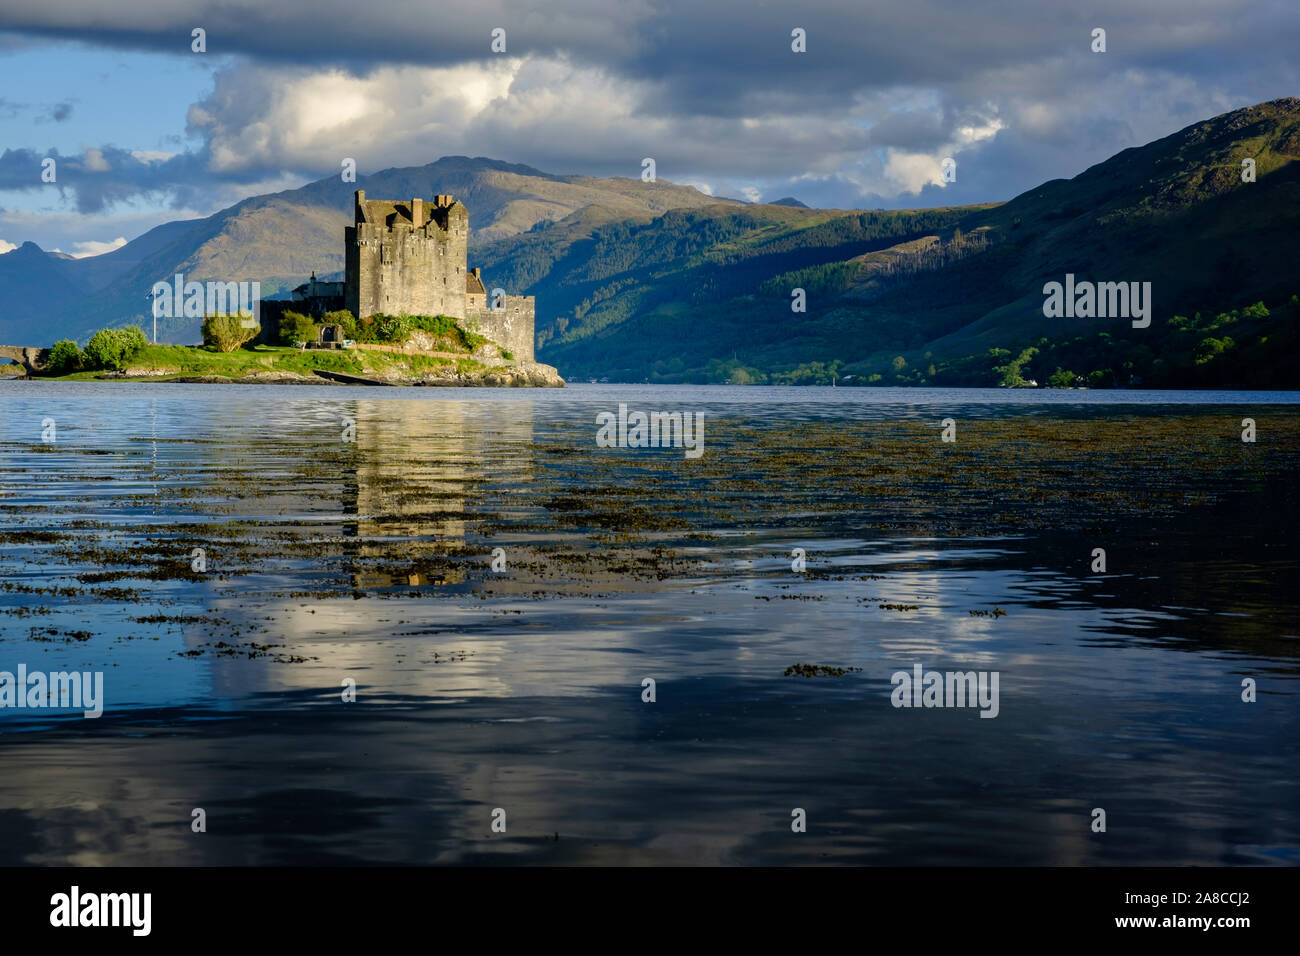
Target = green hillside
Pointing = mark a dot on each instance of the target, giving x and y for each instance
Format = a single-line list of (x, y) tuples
[(280, 239), (658, 281), (705, 294)]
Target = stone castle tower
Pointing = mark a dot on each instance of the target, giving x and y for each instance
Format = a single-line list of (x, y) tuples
[(411, 258)]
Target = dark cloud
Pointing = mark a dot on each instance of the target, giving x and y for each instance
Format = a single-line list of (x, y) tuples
[(104, 176), (712, 90), (719, 56)]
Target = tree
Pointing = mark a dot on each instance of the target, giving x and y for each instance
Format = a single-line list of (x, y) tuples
[(65, 357), (296, 327), (113, 348), (344, 318), (1061, 379), (1011, 375), (225, 333), (1211, 348)]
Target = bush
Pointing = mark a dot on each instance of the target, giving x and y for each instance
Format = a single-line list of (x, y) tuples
[(396, 329), (1062, 378), (225, 333), (65, 357), (294, 327), (113, 348), (391, 328)]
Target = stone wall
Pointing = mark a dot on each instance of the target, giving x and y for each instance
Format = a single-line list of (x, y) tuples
[(511, 328), (407, 257), (411, 258)]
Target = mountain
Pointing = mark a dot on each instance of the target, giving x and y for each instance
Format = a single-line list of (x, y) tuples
[(659, 281), (947, 296), (280, 239)]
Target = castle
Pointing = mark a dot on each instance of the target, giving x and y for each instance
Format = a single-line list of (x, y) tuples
[(411, 258)]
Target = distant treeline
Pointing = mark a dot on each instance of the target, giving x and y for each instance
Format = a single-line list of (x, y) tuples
[(1250, 347), (1255, 346)]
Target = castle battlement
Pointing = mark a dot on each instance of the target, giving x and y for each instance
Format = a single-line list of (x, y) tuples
[(411, 257)]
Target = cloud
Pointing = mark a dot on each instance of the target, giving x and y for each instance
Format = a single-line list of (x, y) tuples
[(66, 230), (93, 161), (6, 247), (151, 155), (712, 91), (93, 247), (61, 112)]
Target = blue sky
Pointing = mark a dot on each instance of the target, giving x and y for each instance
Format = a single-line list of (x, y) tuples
[(145, 130), (134, 100)]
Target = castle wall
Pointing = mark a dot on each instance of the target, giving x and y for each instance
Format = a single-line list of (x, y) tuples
[(407, 258), (511, 328), (411, 257)]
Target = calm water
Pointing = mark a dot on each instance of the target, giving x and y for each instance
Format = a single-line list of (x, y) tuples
[(348, 535)]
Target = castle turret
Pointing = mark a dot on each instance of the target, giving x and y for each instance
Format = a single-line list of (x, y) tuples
[(397, 262)]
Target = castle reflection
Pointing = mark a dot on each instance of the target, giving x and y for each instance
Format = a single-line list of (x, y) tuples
[(422, 473)]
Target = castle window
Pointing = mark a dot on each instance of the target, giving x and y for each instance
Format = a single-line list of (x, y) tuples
[(386, 255)]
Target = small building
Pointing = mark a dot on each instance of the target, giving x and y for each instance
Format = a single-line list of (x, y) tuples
[(330, 337), (315, 297)]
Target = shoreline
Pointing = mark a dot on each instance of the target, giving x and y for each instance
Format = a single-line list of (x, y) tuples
[(526, 375)]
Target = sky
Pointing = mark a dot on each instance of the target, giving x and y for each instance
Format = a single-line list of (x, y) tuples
[(143, 129)]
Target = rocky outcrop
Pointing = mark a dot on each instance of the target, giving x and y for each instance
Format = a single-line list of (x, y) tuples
[(519, 375)]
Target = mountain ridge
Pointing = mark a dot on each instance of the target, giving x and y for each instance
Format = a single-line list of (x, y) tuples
[(660, 281)]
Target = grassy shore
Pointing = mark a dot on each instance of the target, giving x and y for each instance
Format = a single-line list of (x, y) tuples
[(172, 361)]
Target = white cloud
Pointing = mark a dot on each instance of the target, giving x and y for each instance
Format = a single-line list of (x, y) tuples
[(95, 162), (6, 247), (94, 247), (67, 230), (908, 172), (865, 119)]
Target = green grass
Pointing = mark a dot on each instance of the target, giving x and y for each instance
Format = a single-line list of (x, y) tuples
[(184, 360)]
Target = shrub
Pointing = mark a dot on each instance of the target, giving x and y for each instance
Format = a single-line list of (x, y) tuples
[(134, 338), (113, 348), (1061, 378), (225, 333), (294, 327), (391, 328), (65, 357)]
